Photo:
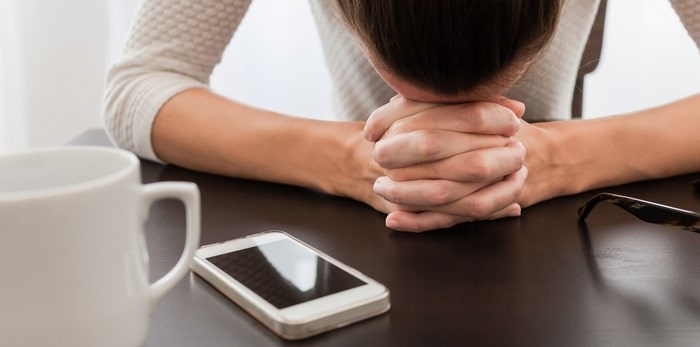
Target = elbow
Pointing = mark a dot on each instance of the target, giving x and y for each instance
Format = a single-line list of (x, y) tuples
[(134, 94), (114, 104)]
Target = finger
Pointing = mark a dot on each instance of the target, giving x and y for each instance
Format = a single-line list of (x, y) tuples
[(398, 107), (476, 166), (494, 201), (482, 203), (422, 194), (516, 106), (477, 117), (429, 220), (422, 146), (512, 210), (417, 222)]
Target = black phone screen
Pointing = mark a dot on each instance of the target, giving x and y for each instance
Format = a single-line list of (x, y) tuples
[(285, 273)]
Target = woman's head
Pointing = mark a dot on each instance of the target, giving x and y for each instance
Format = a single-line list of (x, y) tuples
[(451, 47)]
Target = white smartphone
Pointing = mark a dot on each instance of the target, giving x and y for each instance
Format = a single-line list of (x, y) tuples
[(290, 287)]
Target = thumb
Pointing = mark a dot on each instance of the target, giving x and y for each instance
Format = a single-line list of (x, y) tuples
[(516, 106)]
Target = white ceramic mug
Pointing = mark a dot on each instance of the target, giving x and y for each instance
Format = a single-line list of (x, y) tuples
[(73, 259)]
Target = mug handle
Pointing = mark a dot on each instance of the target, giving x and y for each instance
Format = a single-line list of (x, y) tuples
[(188, 193)]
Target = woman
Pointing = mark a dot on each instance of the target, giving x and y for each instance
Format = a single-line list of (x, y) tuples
[(447, 149)]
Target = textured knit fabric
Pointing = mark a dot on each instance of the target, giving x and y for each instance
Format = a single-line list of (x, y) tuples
[(174, 45), (689, 12)]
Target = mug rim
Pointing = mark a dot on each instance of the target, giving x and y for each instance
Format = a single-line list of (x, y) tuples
[(116, 175)]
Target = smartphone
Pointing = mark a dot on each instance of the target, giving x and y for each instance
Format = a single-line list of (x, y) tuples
[(291, 288)]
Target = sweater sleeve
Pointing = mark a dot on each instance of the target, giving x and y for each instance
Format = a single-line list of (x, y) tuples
[(689, 12), (173, 45)]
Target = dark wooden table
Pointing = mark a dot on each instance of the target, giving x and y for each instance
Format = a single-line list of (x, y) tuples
[(538, 280)]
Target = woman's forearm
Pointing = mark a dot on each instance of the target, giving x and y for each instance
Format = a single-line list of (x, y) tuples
[(200, 130), (573, 156)]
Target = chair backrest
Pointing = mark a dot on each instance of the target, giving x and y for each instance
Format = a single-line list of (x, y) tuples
[(590, 58)]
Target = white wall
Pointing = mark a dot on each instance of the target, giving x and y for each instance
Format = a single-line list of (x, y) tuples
[(283, 68), (275, 60), (647, 59), (54, 55), (63, 45), (12, 130), (53, 69), (3, 126)]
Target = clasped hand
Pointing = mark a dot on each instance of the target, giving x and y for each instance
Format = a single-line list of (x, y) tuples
[(447, 163)]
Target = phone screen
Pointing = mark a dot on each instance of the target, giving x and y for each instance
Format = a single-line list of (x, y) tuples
[(285, 273)]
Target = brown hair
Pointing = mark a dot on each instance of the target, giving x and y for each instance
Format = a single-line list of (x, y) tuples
[(451, 46)]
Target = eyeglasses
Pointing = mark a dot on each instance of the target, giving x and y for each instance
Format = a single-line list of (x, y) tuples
[(647, 211)]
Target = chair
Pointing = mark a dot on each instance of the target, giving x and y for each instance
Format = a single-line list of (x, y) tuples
[(589, 59)]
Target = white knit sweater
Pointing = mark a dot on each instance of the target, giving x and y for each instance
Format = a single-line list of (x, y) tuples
[(174, 45)]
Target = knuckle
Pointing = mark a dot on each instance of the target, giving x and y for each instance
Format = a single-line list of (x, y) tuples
[(515, 122), (372, 119), (441, 194), (478, 208), (391, 193), (521, 149), (486, 116), (404, 174), (477, 168), (519, 186), (524, 173), (518, 192), (519, 158), (512, 124), (375, 121), (515, 193), (476, 115), (427, 144), (381, 154), (397, 175), (401, 126), (377, 113)]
